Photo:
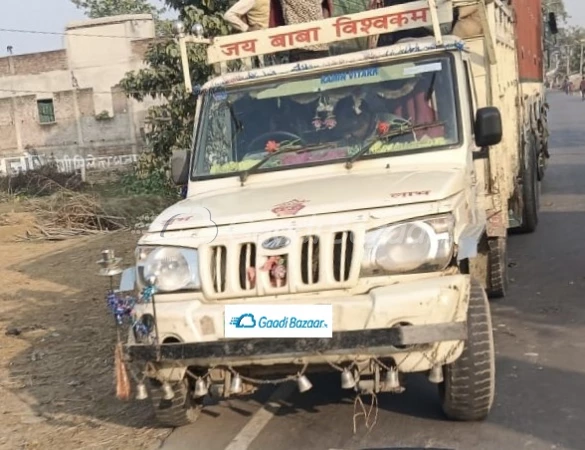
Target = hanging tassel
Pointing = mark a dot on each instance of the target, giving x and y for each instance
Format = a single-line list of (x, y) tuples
[(122, 380)]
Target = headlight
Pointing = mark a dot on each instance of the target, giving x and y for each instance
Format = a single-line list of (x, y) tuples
[(172, 268), (422, 245)]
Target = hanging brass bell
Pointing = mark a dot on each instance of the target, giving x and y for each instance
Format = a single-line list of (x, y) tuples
[(304, 384), (168, 392), (201, 389), (236, 385), (392, 381), (141, 392), (347, 379), (436, 374)]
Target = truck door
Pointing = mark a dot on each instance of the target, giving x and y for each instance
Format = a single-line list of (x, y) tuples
[(480, 164)]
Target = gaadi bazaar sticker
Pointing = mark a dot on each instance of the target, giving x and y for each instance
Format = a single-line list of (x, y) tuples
[(290, 208)]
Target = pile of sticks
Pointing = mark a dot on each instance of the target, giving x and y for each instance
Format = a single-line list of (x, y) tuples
[(69, 214)]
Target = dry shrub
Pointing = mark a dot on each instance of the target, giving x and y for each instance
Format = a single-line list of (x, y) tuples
[(68, 213), (41, 181)]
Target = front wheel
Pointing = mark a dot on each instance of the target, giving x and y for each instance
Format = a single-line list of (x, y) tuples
[(468, 388), (180, 410)]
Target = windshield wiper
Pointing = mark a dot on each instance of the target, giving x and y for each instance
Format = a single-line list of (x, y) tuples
[(246, 173), (366, 148)]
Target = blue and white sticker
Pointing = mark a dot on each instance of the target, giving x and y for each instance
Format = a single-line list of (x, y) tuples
[(349, 75), (278, 321)]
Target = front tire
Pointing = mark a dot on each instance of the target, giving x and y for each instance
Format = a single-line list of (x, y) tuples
[(180, 410), (468, 389)]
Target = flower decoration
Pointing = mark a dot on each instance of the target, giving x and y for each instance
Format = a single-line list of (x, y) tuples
[(383, 128), (330, 122), (272, 146), (317, 123)]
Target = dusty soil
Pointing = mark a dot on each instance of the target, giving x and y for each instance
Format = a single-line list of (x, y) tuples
[(57, 375)]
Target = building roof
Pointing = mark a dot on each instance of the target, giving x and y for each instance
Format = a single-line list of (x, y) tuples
[(107, 21)]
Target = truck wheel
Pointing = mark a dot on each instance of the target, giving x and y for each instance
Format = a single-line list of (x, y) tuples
[(530, 188), (180, 410), (497, 267), (467, 392)]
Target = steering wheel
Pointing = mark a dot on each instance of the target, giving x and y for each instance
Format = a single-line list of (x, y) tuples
[(273, 135)]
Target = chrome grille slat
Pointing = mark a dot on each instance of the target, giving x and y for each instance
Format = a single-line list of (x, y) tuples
[(342, 256), (310, 259), (247, 250), (219, 267)]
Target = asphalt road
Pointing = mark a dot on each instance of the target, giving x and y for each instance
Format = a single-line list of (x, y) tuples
[(540, 342)]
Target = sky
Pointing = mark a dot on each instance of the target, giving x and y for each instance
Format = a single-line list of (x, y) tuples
[(53, 15), (576, 9), (36, 15)]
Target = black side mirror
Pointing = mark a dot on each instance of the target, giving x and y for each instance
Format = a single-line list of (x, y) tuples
[(180, 160), (552, 23), (488, 127)]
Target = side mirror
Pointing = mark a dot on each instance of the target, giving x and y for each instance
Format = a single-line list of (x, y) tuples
[(488, 127), (552, 23), (180, 160)]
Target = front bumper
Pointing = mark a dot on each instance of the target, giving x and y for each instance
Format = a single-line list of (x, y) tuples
[(366, 342), (371, 324)]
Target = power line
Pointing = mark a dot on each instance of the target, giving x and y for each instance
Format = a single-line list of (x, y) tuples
[(57, 33)]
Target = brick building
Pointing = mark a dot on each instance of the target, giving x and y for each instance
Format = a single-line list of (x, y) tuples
[(66, 102)]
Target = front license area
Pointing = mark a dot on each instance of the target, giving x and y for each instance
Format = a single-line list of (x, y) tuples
[(278, 321)]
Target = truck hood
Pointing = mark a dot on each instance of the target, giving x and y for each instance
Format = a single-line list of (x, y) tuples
[(345, 192)]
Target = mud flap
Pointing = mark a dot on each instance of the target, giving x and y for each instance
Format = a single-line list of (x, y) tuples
[(496, 225)]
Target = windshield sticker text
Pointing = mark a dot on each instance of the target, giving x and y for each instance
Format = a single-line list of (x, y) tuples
[(409, 194), (349, 75)]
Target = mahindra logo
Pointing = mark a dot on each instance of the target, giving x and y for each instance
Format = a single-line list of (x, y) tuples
[(276, 243)]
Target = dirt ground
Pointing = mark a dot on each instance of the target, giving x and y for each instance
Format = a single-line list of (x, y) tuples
[(57, 373)]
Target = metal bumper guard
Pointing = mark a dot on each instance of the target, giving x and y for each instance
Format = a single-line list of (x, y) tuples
[(345, 342)]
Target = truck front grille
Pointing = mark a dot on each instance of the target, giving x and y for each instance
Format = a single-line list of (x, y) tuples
[(243, 269)]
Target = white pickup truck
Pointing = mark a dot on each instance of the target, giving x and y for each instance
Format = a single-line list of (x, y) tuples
[(370, 189)]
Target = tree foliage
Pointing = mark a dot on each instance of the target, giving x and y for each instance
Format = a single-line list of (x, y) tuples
[(170, 124), (558, 7), (105, 8)]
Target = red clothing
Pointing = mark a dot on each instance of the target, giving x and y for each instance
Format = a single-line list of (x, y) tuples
[(418, 110)]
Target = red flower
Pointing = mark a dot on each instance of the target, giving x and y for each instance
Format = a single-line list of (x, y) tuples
[(330, 123), (272, 146), (383, 128)]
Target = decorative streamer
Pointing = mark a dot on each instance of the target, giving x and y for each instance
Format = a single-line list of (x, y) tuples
[(122, 380)]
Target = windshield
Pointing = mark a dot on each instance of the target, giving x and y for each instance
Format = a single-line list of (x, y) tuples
[(328, 118)]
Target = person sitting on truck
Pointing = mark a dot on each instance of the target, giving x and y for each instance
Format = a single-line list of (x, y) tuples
[(392, 38), (303, 11), (255, 12), (359, 122)]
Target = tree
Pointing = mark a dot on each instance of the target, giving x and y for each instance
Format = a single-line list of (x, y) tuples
[(170, 124), (569, 47), (105, 8), (558, 7)]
